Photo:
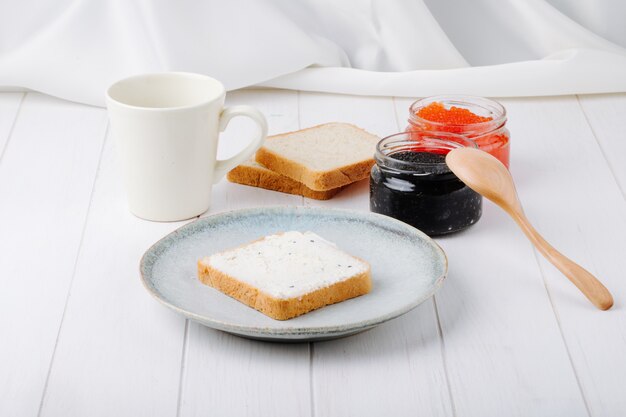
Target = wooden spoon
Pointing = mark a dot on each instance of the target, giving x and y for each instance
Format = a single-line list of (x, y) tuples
[(488, 176)]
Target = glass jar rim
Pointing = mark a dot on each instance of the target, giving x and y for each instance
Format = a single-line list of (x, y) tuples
[(404, 141), (492, 106)]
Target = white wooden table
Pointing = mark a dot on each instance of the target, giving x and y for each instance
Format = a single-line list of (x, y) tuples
[(507, 335)]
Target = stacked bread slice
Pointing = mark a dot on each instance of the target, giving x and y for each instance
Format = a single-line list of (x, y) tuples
[(317, 162)]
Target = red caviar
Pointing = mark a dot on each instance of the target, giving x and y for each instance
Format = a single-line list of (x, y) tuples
[(488, 132), (436, 112)]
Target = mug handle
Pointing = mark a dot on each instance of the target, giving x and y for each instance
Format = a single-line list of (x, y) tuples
[(223, 166)]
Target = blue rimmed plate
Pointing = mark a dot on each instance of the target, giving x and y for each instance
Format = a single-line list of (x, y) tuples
[(407, 268)]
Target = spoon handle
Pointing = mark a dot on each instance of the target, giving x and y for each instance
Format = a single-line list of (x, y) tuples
[(589, 285)]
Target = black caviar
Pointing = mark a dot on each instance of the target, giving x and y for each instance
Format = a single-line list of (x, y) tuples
[(419, 157), (417, 187)]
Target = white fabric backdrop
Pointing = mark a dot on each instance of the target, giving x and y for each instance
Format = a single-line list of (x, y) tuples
[(75, 49)]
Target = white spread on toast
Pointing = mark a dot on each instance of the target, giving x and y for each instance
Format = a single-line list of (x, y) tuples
[(289, 264)]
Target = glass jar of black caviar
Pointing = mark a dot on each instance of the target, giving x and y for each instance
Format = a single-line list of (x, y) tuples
[(412, 183)]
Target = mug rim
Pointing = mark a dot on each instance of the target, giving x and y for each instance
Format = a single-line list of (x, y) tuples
[(182, 74)]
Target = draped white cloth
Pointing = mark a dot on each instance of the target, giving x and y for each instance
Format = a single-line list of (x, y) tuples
[(74, 49)]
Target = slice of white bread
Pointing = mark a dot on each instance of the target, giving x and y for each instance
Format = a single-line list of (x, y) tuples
[(254, 174), (287, 274), (321, 157)]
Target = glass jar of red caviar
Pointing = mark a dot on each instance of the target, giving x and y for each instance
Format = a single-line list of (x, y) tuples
[(480, 119), (412, 183)]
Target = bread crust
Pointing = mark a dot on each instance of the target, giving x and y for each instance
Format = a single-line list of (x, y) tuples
[(279, 308), (315, 180), (269, 180)]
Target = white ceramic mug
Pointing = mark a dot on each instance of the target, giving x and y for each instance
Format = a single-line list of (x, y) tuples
[(166, 129)]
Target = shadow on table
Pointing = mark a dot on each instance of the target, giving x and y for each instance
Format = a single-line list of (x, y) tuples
[(415, 332)]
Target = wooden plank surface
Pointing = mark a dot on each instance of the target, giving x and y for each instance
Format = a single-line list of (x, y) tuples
[(220, 370), (605, 115), (119, 351), (46, 178), (582, 212), (397, 368), (506, 335), (503, 347)]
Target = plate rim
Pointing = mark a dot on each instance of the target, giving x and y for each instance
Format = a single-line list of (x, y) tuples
[(298, 330)]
